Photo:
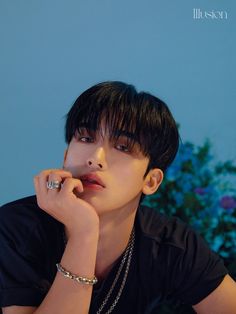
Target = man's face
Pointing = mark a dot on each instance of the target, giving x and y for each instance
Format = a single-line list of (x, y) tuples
[(112, 175)]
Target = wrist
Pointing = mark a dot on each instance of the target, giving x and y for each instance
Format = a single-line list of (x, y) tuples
[(82, 236), (81, 226), (80, 253)]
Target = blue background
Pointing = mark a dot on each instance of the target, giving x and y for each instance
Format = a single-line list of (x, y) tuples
[(53, 50)]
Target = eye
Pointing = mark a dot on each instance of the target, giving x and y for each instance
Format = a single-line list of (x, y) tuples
[(85, 139), (123, 148), (82, 135)]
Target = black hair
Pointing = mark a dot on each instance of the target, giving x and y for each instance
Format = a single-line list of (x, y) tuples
[(124, 109)]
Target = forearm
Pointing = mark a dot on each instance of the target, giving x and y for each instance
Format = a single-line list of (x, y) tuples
[(66, 295)]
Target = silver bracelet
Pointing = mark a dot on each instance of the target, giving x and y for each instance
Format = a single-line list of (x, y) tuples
[(79, 279)]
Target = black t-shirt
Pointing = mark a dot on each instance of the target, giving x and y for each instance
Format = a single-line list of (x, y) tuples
[(170, 261)]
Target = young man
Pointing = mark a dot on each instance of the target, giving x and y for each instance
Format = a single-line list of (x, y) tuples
[(84, 244)]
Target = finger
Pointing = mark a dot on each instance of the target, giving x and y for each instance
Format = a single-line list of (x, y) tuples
[(54, 179), (44, 177), (36, 183), (38, 195), (70, 184)]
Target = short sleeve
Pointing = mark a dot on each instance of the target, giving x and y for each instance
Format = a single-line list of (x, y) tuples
[(23, 276), (195, 270)]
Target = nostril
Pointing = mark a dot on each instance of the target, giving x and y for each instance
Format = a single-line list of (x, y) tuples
[(92, 164)]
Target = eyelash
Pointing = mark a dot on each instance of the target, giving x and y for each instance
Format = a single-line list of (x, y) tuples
[(123, 148), (85, 139), (120, 147)]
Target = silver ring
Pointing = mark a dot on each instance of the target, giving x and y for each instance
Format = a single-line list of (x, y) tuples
[(53, 185)]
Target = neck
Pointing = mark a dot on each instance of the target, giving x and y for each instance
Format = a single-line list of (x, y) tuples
[(114, 236)]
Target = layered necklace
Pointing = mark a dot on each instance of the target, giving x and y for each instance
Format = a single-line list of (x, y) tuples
[(124, 264)]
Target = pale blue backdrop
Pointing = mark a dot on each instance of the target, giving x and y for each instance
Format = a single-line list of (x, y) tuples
[(53, 50)]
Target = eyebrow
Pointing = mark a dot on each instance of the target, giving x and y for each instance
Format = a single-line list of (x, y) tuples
[(115, 134), (125, 134)]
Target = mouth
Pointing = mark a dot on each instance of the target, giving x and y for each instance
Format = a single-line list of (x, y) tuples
[(91, 180)]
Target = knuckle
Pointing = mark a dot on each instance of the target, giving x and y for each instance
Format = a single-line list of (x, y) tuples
[(44, 173), (66, 182)]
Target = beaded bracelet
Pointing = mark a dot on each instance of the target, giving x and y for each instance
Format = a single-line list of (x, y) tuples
[(79, 279)]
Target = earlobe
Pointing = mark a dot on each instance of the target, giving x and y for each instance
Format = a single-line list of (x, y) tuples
[(152, 181)]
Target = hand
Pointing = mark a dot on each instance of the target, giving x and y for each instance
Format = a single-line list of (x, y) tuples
[(63, 204)]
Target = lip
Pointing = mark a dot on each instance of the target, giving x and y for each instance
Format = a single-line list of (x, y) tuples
[(91, 179)]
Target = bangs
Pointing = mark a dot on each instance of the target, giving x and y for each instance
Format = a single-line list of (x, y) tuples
[(140, 118), (122, 114)]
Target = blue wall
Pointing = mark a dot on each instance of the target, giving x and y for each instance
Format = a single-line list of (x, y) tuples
[(52, 50)]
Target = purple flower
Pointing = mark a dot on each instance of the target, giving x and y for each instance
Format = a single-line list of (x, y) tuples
[(228, 202), (200, 191)]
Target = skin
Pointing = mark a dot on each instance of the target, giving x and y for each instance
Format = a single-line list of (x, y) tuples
[(116, 204), (221, 301), (98, 222), (121, 170), (93, 218)]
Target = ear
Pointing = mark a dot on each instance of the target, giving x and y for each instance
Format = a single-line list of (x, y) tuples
[(152, 181)]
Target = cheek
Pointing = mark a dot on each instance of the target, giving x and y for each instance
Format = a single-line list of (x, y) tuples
[(73, 158), (133, 172), (69, 158)]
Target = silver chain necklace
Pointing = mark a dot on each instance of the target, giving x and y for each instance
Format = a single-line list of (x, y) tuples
[(127, 256)]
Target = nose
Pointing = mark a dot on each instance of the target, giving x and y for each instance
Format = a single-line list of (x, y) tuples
[(97, 160)]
